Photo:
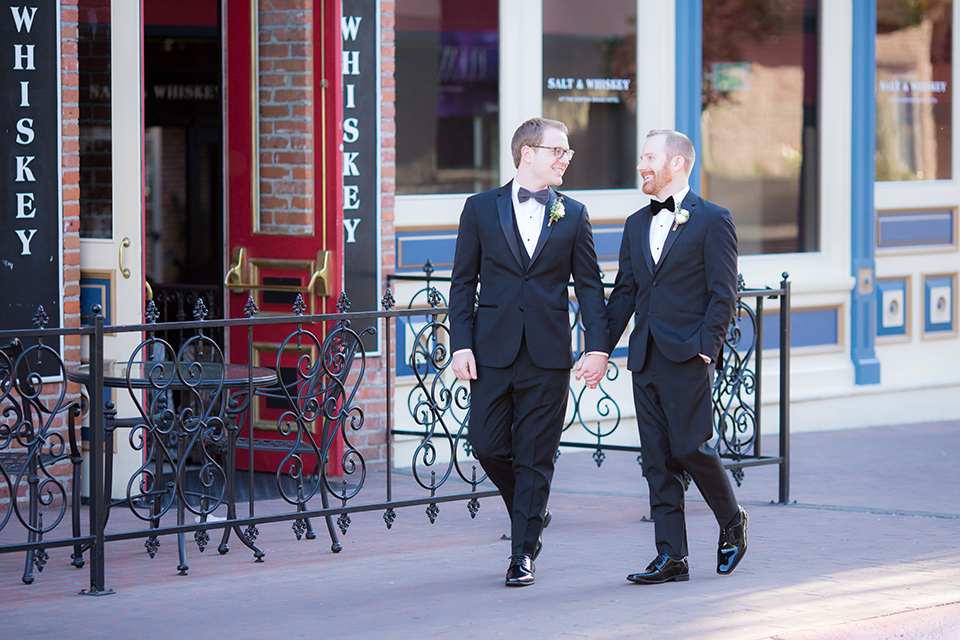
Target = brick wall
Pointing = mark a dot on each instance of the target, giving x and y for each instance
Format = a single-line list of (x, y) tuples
[(388, 158), (70, 132)]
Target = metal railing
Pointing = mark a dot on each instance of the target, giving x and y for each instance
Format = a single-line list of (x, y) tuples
[(194, 412), (191, 424), (736, 391)]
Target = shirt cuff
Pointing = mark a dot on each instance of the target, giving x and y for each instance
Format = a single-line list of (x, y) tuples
[(462, 351), (598, 353)]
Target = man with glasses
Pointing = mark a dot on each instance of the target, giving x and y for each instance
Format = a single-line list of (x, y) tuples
[(522, 243)]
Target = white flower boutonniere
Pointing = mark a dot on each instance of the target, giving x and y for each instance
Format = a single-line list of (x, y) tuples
[(556, 211), (680, 218)]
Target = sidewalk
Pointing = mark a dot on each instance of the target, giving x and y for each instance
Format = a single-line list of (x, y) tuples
[(869, 548)]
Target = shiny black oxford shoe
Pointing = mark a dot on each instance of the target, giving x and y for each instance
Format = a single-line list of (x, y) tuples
[(520, 571), (663, 569), (733, 544)]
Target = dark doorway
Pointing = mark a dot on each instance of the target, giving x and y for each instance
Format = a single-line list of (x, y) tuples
[(183, 222)]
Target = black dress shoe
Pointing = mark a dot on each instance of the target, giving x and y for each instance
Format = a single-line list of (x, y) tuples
[(733, 544), (520, 571), (663, 569)]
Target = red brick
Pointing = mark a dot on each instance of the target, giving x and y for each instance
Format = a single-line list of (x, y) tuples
[(271, 50), (293, 157), (281, 96), (301, 173), (274, 172), (290, 65), (279, 111)]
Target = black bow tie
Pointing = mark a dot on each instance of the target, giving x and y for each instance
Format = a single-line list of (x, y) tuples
[(540, 196), (656, 207)]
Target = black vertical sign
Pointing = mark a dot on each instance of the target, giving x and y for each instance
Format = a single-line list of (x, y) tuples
[(30, 251), (361, 156)]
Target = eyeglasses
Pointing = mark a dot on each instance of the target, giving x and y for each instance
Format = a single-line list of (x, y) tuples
[(558, 152)]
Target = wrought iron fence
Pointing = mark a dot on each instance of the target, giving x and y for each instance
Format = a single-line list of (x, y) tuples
[(191, 424), (595, 414), (194, 413)]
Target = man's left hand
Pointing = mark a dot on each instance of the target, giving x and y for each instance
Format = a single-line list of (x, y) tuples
[(591, 367)]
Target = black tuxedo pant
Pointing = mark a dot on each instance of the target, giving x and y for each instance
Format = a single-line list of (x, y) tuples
[(675, 418), (516, 418)]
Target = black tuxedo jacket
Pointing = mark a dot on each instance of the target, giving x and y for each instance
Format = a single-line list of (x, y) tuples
[(516, 302), (685, 301)]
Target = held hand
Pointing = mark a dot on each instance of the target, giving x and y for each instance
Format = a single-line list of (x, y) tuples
[(579, 366), (592, 368), (464, 365)]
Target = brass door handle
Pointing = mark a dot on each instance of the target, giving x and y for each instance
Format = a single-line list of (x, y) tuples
[(234, 277), (321, 275), (123, 244), (237, 276)]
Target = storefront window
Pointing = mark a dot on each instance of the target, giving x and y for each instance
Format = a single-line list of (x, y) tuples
[(447, 81), (96, 142), (914, 90), (759, 153), (589, 83)]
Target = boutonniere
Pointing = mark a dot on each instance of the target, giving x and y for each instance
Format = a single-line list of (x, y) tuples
[(680, 218), (556, 211)]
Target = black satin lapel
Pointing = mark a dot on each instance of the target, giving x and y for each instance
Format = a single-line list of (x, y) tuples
[(545, 228), (645, 220), (505, 211)]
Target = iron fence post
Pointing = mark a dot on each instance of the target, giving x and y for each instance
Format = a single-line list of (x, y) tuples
[(389, 453), (785, 389), (97, 510), (758, 388)]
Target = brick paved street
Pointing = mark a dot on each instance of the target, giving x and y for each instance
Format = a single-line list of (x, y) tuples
[(869, 548)]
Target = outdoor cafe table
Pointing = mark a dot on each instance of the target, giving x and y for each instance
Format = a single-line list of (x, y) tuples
[(159, 376)]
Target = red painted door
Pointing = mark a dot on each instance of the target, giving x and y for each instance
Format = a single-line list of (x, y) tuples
[(283, 102)]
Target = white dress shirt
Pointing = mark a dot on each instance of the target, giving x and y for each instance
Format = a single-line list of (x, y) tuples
[(529, 218), (661, 224)]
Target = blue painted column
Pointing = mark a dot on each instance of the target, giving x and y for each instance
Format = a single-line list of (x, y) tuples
[(689, 60), (863, 132)]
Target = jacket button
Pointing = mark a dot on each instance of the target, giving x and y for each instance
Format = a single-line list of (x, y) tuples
[(521, 307), (526, 277), (654, 283)]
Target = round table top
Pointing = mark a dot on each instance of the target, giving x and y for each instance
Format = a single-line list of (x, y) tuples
[(161, 374)]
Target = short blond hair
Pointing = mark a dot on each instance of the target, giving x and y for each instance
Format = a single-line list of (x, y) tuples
[(530, 134)]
